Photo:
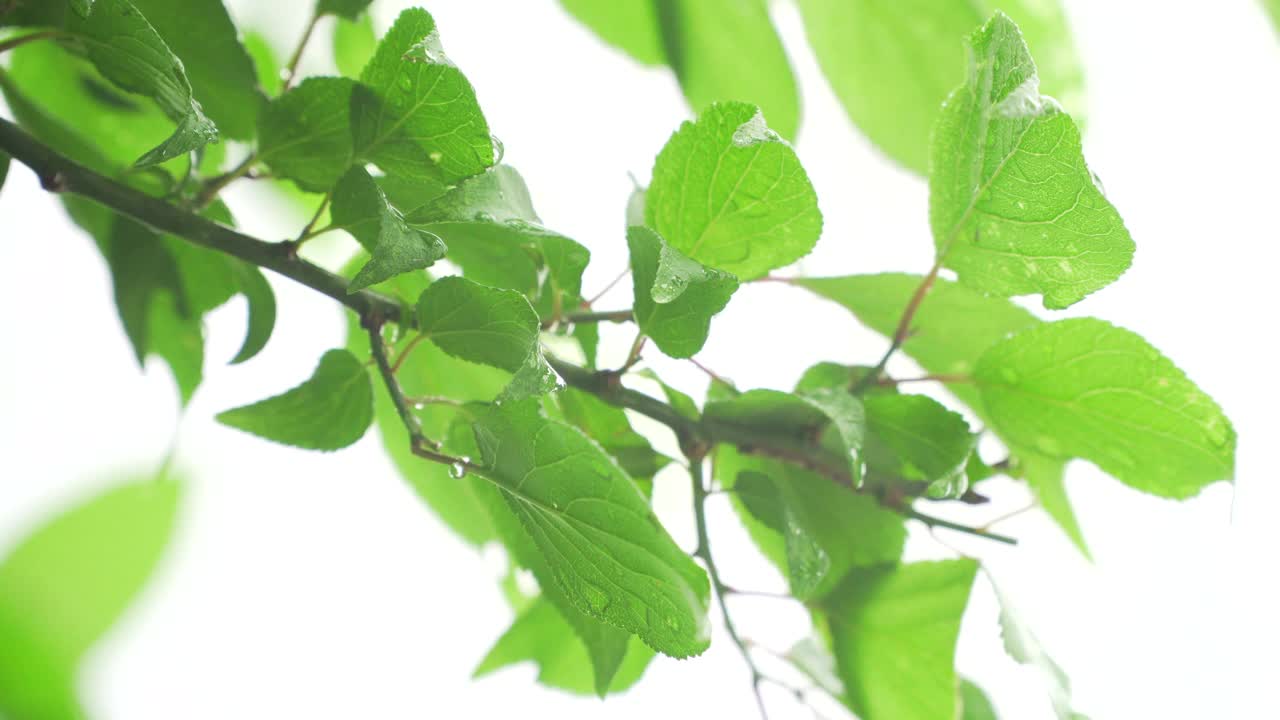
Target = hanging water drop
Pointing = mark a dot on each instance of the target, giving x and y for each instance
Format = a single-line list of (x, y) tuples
[(436, 156), (498, 149), (458, 470)]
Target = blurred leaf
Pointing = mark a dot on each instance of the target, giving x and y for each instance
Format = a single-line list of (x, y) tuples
[(772, 504), (348, 9), (675, 297), (67, 582), (894, 632), (1023, 646), (542, 636), (329, 411), (974, 704), (630, 25), (353, 44), (265, 62), (730, 194), (861, 46)]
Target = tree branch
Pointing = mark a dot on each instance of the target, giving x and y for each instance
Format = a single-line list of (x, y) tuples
[(58, 173)]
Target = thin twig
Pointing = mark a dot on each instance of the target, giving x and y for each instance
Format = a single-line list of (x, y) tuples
[(625, 272), (703, 551), (903, 330), (933, 522), (291, 69), (942, 378)]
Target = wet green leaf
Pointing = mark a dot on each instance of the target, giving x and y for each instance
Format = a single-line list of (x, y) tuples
[(730, 193), (917, 437), (329, 411), (1014, 208), (675, 297), (479, 324), (1085, 388)]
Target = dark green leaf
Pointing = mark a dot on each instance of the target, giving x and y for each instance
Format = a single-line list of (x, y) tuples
[(477, 323), (360, 208), (802, 420), (1014, 208), (349, 9), (608, 553), (921, 440), (305, 134), (541, 635), (773, 505), (353, 44), (261, 302), (429, 372), (675, 297), (852, 530), (4, 167), (731, 194), (1085, 388), (428, 123), (66, 583), (608, 425), (892, 64), (331, 410), (127, 50), (222, 76), (894, 632)]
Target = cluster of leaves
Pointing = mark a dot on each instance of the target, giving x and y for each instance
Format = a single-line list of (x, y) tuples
[(510, 444)]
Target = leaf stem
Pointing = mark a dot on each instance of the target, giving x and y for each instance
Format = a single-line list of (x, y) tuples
[(291, 69), (217, 184), (703, 551), (942, 378), (625, 272), (615, 316), (903, 331), (936, 522), (307, 233)]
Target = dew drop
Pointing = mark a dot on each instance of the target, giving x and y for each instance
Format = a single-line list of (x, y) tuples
[(457, 471), (436, 156), (498, 149)]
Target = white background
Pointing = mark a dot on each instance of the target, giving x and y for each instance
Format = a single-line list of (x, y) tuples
[(316, 585)]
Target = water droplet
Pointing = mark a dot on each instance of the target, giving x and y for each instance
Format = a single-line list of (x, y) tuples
[(1217, 431), (436, 156), (671, 622), (597, 598), (1065, 267), (406, 82), (1048, 446), (457, 471), (498, 149), (419, 405), (284, 73)]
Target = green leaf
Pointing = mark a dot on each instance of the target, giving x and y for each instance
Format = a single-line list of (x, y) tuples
[(152, 301), (127, 50), (607, 551), (851, 529), (702, 41), (772, 504), (349, 9), (67, 582), (629, 25), (952, 328), (918, 438), (4, 167), (261, 302), (892, 64), (1047, 479), (1273, 9), (974, 704), (477, 323), (540, 634), (429, 372), (811, 657), (354, 42), (1013, 207), (222, 75), (675, 297), (1023, 646), (608, 425), (305, 135), (730, 194), (331, 410), (1085, 388), (265, 62), (360, 208), (894, 632), (428, 123), (835, 417)]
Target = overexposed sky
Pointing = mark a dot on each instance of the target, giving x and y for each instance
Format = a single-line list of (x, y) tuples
[(316, 585)]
